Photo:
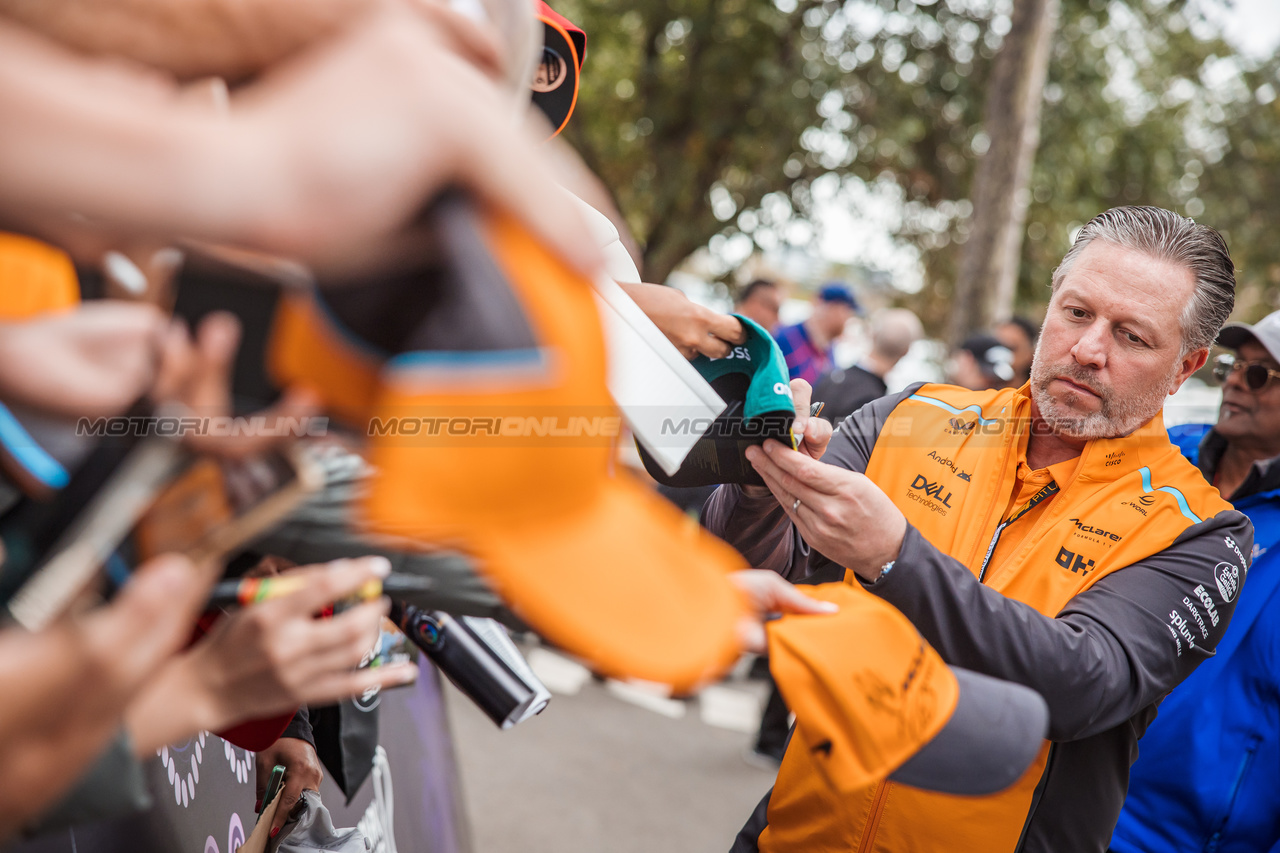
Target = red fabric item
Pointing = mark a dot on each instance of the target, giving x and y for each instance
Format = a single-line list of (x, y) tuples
[(253, 735)]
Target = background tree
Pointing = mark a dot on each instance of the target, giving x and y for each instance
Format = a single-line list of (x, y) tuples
[(988, 273), (722, 117)]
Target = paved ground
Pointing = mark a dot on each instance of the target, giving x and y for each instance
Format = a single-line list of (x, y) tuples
[(598, 773)]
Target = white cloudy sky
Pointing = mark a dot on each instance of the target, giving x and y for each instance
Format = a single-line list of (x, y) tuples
[(1253, 25)]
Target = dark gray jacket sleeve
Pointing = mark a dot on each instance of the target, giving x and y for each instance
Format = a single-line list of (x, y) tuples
[(760, 529), (1113, 650)]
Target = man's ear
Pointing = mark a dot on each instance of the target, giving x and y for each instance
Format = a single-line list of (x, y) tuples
[(1191, 362)]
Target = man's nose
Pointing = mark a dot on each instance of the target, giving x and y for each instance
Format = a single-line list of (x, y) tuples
[(1091, 349)]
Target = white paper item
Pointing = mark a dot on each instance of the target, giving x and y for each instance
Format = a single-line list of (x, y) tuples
[(653, 384)]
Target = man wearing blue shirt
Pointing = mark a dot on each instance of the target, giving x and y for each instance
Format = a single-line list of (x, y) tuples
[(807, 345), (1207, 777)]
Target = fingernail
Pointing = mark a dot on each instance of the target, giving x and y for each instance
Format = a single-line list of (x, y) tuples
[(410, 675), (751, 453), (275, 831), (829, 607), (381, 566), (257, 806), (124, 272)]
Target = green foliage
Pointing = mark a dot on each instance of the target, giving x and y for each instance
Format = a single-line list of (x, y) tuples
[(1140, 110), (710, 117)]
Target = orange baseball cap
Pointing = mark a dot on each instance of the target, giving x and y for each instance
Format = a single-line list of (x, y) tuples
[(492, 431), (873, 701), (310, 348)]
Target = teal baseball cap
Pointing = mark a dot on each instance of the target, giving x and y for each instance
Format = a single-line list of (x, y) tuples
[(754, 383)]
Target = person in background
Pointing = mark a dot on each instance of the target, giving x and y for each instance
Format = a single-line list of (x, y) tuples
[(981, 363), (807, 345), (844, 391), (761, 300), (1208, 774), (1019, 334)]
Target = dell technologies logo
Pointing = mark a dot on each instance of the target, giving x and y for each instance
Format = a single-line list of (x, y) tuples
[(933, 495)]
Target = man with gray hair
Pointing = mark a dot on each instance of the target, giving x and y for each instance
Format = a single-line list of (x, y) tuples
[(1049, 535)]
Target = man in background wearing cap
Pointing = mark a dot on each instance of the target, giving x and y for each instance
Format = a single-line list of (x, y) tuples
[(1019, 334), (807, 345), (980, 363), (1050, 535), (1209, 768)]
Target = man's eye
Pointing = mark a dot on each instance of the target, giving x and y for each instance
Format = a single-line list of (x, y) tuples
[(1078, 313), (1134, 339)]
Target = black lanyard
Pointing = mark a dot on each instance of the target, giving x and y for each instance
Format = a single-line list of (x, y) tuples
[(1045, 493)]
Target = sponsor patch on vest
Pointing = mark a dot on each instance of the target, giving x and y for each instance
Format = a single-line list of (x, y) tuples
[(1142, 504), (1114, 458), (947, 462), (956, 426), (1073, 562), (933, 496), (1227, 576), (1094, 533)]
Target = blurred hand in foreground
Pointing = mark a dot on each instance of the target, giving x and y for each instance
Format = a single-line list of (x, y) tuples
[(767, 593), (693, 329), (67, 687), (271, 657), (93, 361)]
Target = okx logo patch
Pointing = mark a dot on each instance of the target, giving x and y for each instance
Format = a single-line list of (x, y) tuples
[(1074, 562)]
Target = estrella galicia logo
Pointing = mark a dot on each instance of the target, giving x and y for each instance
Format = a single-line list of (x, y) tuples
[(1074, 562), (929, 493), (1227, 576), (959, 427)]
